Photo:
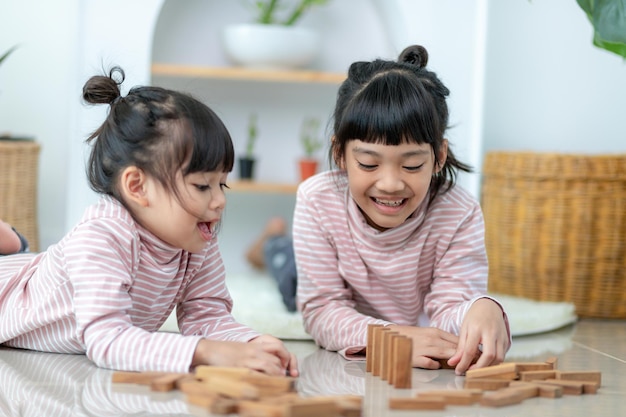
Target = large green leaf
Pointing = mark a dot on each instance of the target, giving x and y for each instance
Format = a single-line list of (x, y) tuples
[(608, 18)]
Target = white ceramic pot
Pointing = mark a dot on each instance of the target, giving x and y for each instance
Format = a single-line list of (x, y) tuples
[(270, 46)]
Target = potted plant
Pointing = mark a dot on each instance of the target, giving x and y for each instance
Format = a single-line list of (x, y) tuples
[(272, 39), (247, 160), (311, 143)]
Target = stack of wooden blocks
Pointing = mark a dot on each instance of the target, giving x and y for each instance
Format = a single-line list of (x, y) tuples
[(389, 356), (226, 390)]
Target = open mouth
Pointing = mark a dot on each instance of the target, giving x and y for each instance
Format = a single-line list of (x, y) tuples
[(389, 203), (205, 230)]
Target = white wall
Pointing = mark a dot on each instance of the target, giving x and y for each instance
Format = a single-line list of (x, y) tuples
[(37, 91), (544, 85), (548, 88)]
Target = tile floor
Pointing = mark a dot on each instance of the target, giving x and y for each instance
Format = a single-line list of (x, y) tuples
[(41, 384)]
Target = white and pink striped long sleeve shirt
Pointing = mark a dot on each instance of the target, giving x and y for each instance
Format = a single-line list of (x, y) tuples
[(107, 287), (350, 274)]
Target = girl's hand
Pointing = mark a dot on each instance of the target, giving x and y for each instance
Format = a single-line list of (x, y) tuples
[(429, 345), (288, 360), (483, 340), (264, 353)]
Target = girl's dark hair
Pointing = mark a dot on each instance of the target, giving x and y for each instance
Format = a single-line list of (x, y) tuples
[(391, 103), (155, 129)]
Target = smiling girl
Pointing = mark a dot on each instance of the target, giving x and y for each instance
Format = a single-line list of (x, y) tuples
[(160, 161), (388, 237)]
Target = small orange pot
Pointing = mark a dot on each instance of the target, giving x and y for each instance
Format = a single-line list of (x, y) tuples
[(308, 167)]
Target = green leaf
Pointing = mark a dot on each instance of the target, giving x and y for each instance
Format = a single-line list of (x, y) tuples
[(608, 18)]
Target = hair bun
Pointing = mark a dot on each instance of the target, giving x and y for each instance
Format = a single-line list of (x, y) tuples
[(415, 55)]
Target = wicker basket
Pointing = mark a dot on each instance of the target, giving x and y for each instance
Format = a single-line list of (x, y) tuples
[(19, 167), (555, 229)]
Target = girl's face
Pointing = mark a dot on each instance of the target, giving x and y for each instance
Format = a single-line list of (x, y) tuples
[(190, 223), (387, 182)]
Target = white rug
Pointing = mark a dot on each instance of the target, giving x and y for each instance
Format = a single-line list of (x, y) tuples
[(258, 304)]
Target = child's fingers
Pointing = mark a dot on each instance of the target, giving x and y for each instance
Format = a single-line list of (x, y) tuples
[(292, 366), (276, 347)]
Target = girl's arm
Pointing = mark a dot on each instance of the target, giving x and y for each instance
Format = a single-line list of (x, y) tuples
[(458, 300), (326, 302), (206, 305), (206, 310), (101, 260)]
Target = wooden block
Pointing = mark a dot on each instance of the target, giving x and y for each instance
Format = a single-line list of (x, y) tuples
[(510, 395), (533, 366), (444, 364), (553, 361), (537, 375), (544, 390), (486, 384), (186, 379), (590, 387), (386, 354), (569, 387), (377, 351), (526, 390), (205, 371), (261, 409), (232, 388), (194, 387), (142, 378), (506, 371), (313, 407), (369, 358), (455, 396), (418, 403), (594, 376), (288, 397), (167, 382), (502, 397), (349, 405), (278, 384), (403, 367), (215, 404)]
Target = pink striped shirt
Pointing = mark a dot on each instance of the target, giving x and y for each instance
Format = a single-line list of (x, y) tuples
[(107, 287), (350, 274)]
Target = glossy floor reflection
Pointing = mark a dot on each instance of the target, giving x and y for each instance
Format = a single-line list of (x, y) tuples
[(41, 384)]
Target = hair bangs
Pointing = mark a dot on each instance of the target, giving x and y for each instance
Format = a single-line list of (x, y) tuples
[(392, 109), (210, 143)]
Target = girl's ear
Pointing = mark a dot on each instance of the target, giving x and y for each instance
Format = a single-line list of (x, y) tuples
[(133, 186), (443, 155)]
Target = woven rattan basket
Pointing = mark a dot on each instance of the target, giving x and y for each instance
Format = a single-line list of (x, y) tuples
[(555, 229), (19, 167)]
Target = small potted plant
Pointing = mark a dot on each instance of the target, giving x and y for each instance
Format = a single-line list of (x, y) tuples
[(247, 160), (273, 40), (311, 143)]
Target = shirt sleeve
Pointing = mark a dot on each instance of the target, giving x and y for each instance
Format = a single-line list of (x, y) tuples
[(101, 268), (206, 306), (460, 274), (327, 305)]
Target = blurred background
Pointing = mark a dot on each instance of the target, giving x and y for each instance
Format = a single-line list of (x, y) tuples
[(523, 76)]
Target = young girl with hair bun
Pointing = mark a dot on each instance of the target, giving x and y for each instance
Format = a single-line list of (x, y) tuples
[(160, 161), (388, 237)]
